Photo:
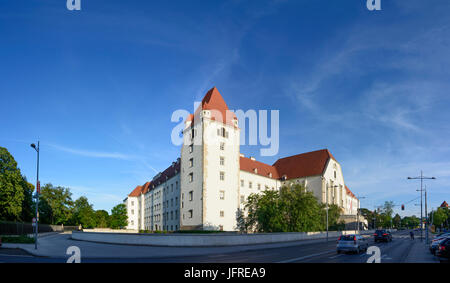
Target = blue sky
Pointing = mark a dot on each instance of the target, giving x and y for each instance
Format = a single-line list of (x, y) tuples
[(97, 87)]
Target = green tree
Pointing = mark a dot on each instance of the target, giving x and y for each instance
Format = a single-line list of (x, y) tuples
[(291, 209), (119, 218), (83, 213), (11, 187), (55, 204), (27, 203), (397, 221), (102, 218), (410, 222), (439, 217)]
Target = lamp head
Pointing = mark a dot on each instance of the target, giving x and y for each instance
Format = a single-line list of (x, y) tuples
[(33, 145)]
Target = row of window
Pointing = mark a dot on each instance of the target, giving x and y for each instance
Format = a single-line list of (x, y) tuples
[(250, 185), (221, 146), (191, 162), (190, 213), (164, 227), (173, 215)]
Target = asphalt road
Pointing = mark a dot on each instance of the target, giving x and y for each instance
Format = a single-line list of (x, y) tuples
[(392, 252)]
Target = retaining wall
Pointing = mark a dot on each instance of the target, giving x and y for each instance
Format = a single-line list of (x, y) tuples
[(203, 240)]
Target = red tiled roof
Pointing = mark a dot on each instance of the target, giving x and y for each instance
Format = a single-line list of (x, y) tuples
[(136, 192), (349, 192), (249, 165), (214, 102), (303, 165), (444, 204)]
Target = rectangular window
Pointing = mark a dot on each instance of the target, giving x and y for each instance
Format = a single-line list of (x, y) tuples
[(191, 195), (222, 176), (259, 186), (191, 162), (222, 146), (222, 213), (191, 213), (222, 160), (222, 194), (191, 177), (191, 148), (242, 183), (132, 211), (250, 185), (242, 198)]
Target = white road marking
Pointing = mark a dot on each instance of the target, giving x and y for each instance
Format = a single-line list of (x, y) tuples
[(335, 256), (305, 257)]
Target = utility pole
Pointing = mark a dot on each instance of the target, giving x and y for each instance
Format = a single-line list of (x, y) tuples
[(426, 217), (421, 177), (357, 211), (38, 189), (335, 186)]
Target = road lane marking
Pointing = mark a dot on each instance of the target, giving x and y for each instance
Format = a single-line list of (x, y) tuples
[(305, 257), (336, 256)]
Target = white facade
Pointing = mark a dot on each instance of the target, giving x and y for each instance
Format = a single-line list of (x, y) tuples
[(209, 183)]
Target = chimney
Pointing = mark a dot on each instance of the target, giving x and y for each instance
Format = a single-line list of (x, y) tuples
[(252, 158)]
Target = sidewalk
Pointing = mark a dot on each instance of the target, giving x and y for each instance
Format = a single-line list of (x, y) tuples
[(55, 246), (419, 253)]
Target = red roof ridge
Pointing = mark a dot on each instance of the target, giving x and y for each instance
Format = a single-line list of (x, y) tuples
[(349, 192), (262, 169), (304, 164), (214, 102)]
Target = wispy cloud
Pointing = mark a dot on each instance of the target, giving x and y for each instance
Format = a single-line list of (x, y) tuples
[(93, 154)]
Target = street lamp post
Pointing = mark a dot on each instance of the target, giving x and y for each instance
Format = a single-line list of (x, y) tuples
[(335, 186), (357, 210), (421, 177), (37, 196)]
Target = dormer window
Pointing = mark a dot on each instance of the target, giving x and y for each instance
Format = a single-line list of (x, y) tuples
[(255, 170), (270, 175), (284, 177)]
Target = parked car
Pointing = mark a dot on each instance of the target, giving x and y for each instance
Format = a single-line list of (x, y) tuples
[(352, 243), (435, 242), (443, 250), (382, 236)]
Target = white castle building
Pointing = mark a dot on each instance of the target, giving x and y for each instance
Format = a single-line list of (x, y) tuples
[(205, 188)]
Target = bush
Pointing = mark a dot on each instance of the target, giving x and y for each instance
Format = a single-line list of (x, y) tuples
[(17, 239)]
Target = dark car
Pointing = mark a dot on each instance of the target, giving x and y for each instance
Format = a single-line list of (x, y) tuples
[(443, 250), (436, 241), (382, 236)]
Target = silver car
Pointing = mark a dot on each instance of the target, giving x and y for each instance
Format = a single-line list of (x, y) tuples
[(352, 243)]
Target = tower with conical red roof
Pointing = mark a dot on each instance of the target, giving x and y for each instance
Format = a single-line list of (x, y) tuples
[(210, 166)]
